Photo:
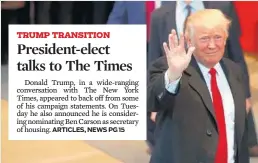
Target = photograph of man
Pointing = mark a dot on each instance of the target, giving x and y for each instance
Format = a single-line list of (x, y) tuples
[(200, 95), (173, 16)]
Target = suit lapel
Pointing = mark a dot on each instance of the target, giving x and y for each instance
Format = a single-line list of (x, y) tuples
[(197, 82), (235, 85)]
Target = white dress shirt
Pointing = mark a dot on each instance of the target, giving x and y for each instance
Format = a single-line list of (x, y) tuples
[(227, 100)]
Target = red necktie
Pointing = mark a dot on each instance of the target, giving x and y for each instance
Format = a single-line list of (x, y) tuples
[(150, 6), (222, 152)]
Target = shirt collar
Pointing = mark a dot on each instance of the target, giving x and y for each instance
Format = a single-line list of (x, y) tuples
[(205, 70)]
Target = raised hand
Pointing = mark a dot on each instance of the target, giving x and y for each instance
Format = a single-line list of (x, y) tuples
[(177, 58)]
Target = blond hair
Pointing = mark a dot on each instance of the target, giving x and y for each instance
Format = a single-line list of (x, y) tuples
[(208, 18)]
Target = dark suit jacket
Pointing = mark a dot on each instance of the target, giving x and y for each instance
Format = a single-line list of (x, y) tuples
[(188, 125), (163, 20), (129, 12), (125, 12)]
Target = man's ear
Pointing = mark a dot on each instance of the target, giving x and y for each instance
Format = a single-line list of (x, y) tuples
[(188, 42)]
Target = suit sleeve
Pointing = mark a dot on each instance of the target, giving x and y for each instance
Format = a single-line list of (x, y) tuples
[(118, 13), (158, 97), (235, 50), (154, 48), (243, 151)]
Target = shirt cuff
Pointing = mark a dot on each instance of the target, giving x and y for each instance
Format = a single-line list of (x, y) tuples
[(171, 87)]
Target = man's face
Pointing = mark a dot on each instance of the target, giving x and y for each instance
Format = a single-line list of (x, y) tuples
[(209, 45)]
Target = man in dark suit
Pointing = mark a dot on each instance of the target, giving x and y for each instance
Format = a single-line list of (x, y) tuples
[(173, 15), (201, 96)]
